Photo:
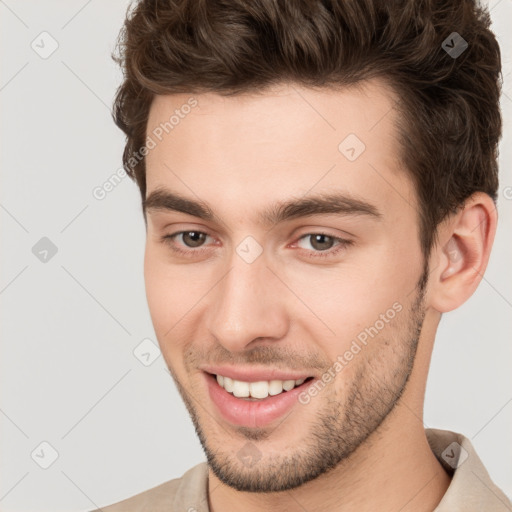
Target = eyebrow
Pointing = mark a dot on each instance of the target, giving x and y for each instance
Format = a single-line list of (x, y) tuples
[(333, 203)]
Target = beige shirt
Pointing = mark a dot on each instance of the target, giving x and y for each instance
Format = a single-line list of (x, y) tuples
[(470, 489)]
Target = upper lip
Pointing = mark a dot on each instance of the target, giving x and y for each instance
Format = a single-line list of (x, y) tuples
[(255, 374)]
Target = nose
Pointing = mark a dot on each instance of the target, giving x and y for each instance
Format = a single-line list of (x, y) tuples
[(248, 304)]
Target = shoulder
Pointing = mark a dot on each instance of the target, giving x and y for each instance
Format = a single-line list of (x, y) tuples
[(471, 488), (184, 493)]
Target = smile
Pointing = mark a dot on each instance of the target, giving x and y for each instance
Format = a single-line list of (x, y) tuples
[(257, 390), (253, 404)]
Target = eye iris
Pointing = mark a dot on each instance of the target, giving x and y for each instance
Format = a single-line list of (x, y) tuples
[(197, 238), (321, 239)]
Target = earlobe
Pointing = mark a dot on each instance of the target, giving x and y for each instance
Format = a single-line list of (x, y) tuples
[(463, 254)]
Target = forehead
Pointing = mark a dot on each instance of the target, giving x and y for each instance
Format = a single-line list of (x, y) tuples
[(249, 149)]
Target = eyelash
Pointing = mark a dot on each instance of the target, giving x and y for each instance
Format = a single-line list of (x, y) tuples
[(342, 244)]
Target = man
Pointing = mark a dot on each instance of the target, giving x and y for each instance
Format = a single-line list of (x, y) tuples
[(318, 181)]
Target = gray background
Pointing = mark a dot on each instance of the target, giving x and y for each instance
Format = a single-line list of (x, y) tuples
[(69, 376)]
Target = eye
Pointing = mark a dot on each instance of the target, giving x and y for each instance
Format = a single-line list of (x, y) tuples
[(191, 239), (323, 243)]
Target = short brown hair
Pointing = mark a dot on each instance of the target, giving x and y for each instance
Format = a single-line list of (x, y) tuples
[(450, 117)]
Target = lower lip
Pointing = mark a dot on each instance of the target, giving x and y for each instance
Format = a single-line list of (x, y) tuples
[(253, 414)]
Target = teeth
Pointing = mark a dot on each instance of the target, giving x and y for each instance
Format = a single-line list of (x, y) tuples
[(288, 384), (261, 389), (240, 389), (275, 387), (228, 384), (258, 389)]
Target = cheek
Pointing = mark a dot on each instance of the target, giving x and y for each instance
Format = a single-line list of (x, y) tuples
[(347, 300), (164, 292), (173, 294), (165, 305)]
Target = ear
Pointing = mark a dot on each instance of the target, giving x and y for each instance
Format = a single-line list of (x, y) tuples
[(460, 257)]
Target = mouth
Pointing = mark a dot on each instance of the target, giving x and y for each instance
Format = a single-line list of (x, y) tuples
[(253, 404), (259, 390)]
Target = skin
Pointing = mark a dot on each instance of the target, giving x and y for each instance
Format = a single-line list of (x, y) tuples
[(353, 445)]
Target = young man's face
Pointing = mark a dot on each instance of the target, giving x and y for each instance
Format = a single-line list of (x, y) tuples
[(283, 297)]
